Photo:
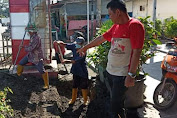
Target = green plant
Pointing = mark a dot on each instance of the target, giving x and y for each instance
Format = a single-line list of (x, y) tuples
[(159, 26), (99, 55), (170, 26), (149, 42), (5, 109)]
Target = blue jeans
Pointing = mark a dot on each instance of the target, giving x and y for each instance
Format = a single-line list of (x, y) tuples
[(39, 66), (118, 90)]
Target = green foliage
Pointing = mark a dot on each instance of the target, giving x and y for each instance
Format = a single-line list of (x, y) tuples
[(104, 27), (170, 27), (2, 16), (99, 56), (4, 8), (159, 26), (149, 42), (5, 109)]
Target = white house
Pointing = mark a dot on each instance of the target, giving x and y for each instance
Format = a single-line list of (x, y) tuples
[(143, 8)]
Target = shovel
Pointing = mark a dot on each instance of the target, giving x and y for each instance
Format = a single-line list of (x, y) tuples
[(13, 71), (61, 58)]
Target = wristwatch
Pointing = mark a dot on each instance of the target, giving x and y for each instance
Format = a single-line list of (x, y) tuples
[(132, 75)]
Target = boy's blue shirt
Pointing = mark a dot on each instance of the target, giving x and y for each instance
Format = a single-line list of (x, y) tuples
[(79, 68)]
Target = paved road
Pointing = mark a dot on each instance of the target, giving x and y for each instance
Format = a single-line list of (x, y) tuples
[(153, 66)]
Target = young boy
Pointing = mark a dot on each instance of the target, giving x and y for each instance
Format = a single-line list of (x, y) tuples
[(78, 69)]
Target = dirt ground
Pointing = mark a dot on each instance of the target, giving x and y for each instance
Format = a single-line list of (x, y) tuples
[(30, 101)]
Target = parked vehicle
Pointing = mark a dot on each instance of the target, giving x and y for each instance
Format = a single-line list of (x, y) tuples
[(5, 21), (165, 94)]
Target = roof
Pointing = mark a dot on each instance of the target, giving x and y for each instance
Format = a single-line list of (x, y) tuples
[(78, 24)]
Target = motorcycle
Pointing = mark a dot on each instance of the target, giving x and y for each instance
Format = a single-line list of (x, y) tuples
[(165, 94)]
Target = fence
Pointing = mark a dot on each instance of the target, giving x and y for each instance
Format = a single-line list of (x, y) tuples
[(5, 50)]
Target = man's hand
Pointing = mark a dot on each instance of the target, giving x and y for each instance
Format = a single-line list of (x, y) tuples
[(129, 82), (82, 51)]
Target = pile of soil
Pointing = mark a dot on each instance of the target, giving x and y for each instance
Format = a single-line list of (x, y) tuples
[(30, 101)]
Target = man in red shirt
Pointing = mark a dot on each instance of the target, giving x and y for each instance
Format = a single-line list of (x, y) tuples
[(127, 38)]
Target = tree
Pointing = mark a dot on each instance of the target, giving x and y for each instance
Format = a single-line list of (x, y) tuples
[(4, 8)]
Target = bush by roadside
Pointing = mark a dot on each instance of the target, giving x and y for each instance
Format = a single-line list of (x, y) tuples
[(5, 109)]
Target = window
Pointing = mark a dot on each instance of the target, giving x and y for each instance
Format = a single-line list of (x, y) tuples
[(142, 8)]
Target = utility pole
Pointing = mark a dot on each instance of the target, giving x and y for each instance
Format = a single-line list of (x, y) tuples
[(92, 20), (65, 17), (98, 17), (88, 22), (154, 11), (147, 5)]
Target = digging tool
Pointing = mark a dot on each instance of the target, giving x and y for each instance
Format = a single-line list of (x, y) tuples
[(61, 57), (19, 49)]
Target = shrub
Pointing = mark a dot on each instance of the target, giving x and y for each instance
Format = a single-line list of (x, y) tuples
[(99, 55), (5, 109), (149, 42), (159, 27), (170, 26)]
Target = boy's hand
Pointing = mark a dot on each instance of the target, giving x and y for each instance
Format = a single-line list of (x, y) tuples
[(63, 61), (67, 61), (61, 43), (72, 61)]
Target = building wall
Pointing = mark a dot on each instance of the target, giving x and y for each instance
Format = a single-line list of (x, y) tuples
[(79, 8), (129, 6), (135, 5), (104, 10), (164, 8)]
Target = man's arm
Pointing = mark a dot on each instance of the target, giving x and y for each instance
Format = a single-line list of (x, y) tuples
[(135, 60), (33, 45), (96, 42), (133, 67)]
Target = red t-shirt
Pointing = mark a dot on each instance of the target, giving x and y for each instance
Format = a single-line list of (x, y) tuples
[(123, 38), (133, 29)]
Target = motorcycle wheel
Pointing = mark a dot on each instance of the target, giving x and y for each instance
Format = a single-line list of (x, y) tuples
[(167, 97)]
